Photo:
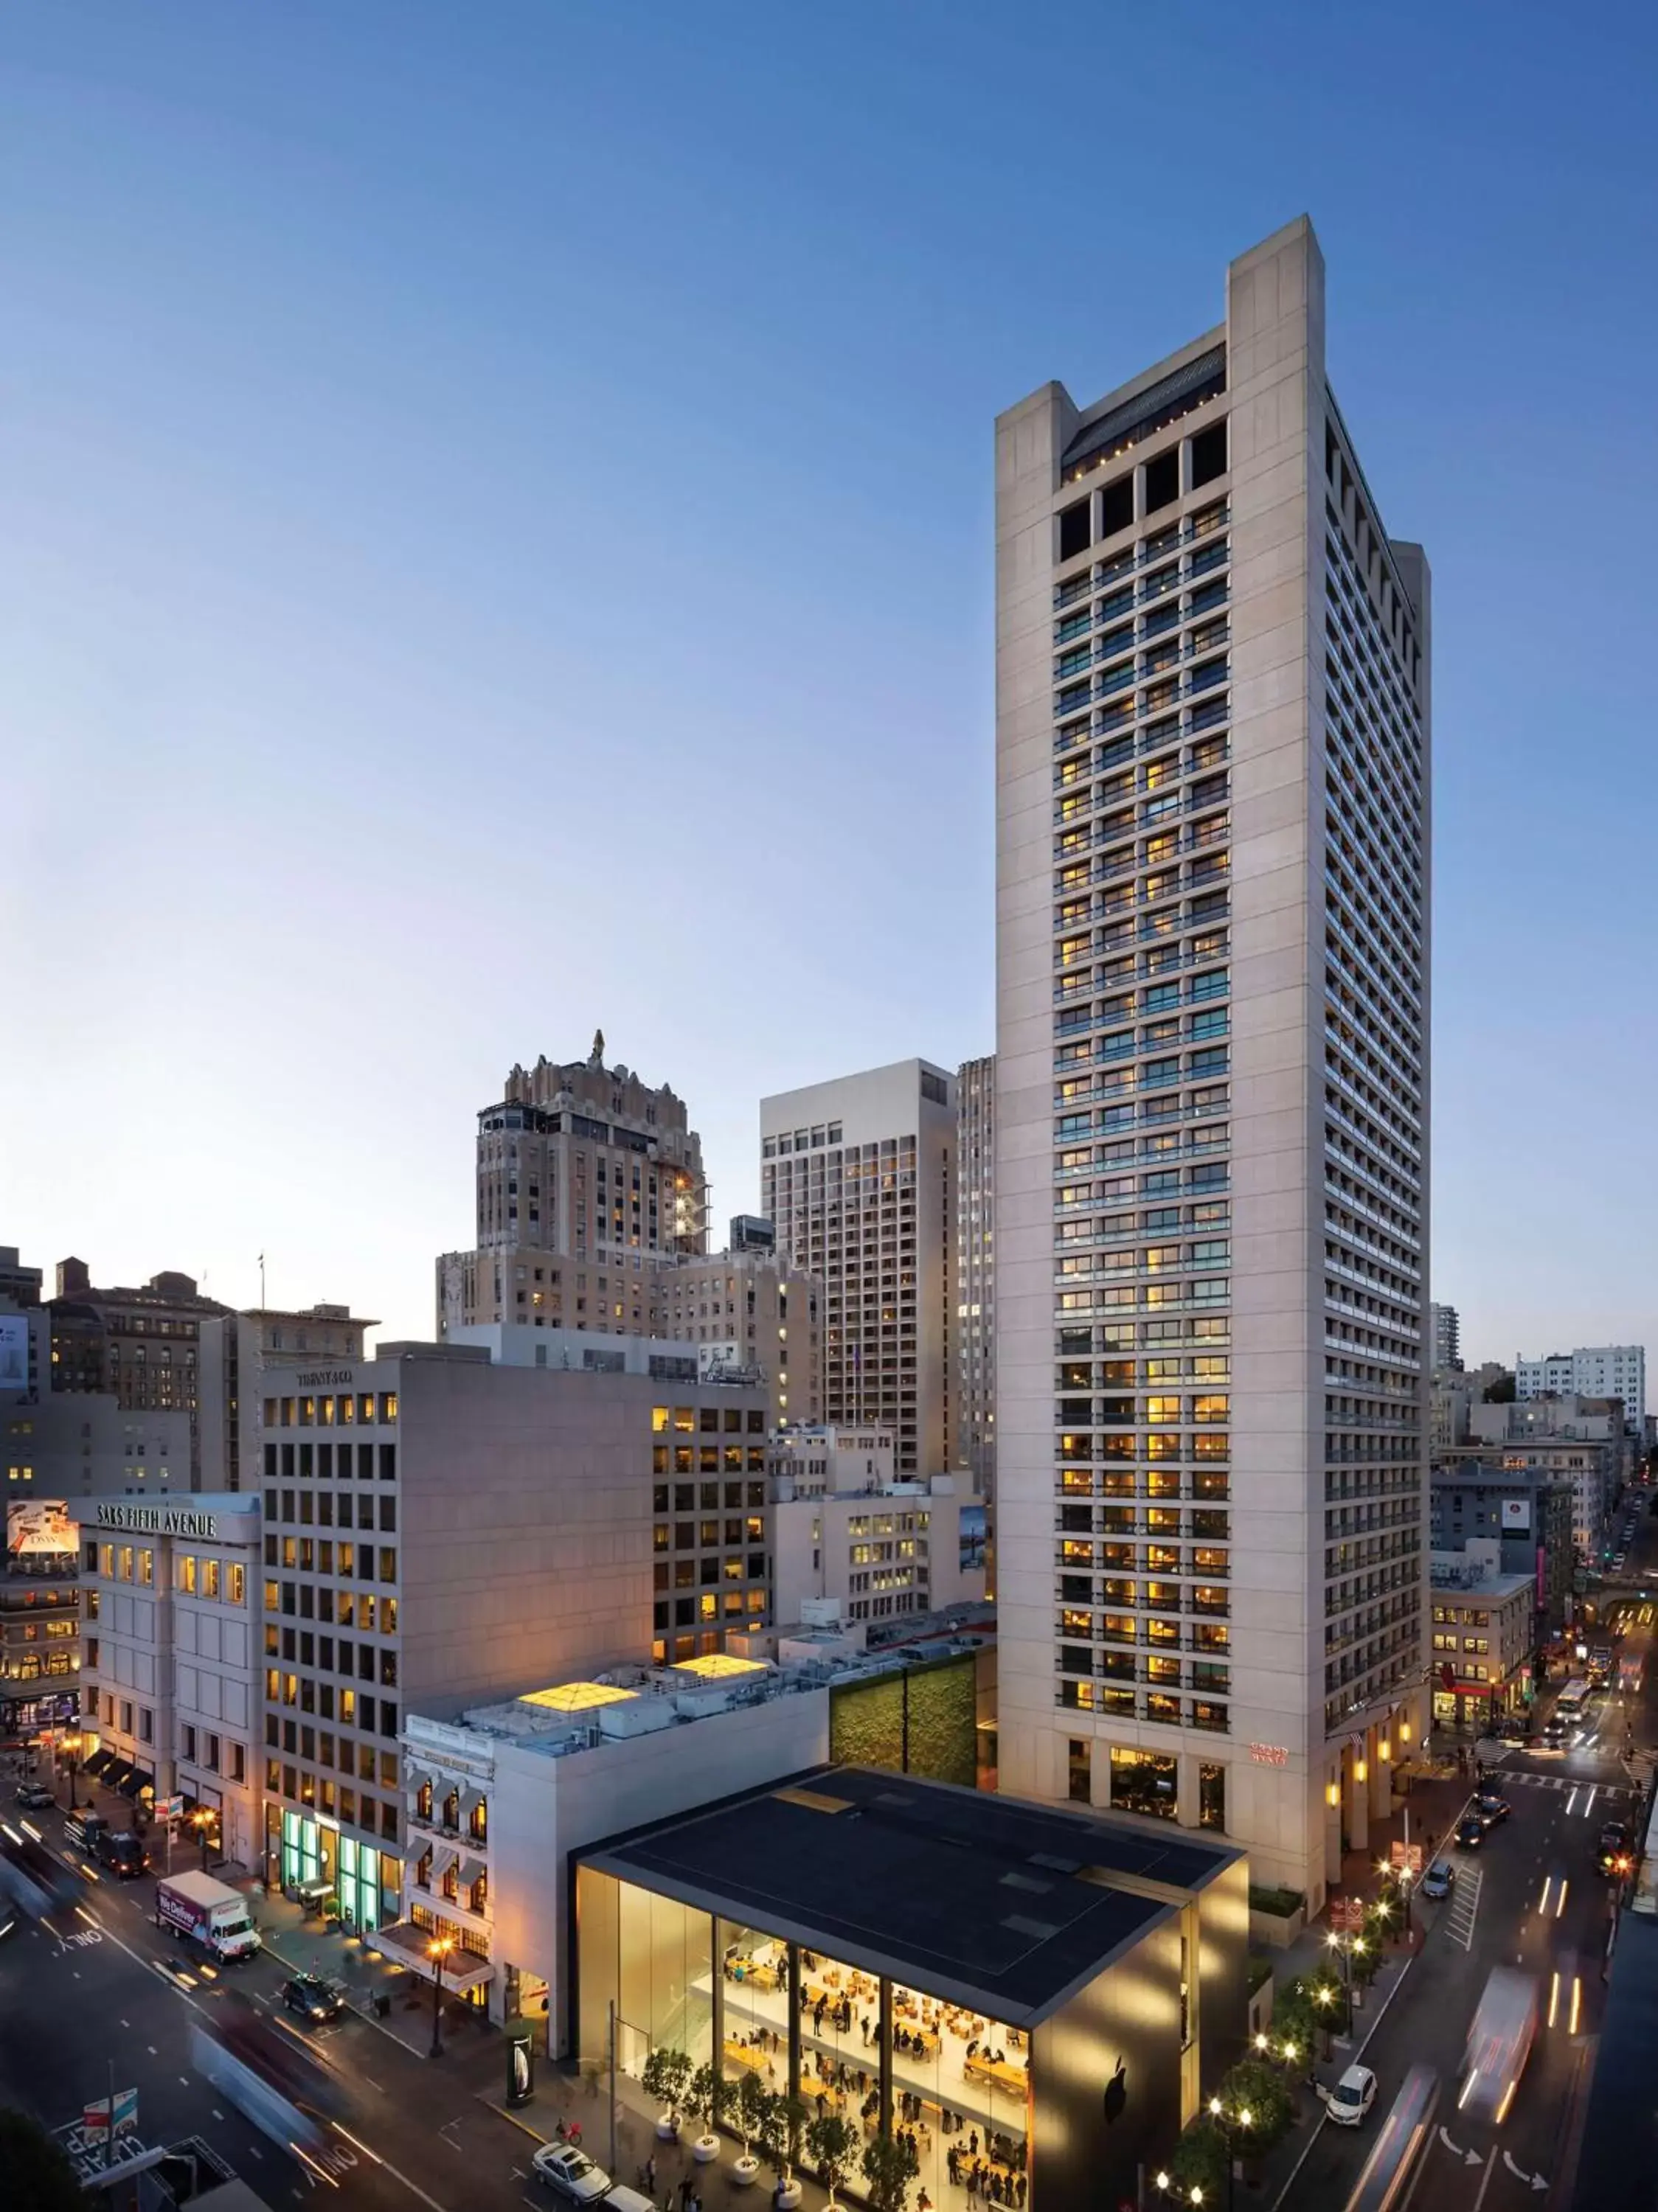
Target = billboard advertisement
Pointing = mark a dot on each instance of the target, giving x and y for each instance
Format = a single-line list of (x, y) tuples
[(40, 1536), (974, 1538), (14, 1352), (1517, 1513)]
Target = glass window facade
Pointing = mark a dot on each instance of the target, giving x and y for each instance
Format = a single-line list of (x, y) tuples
[(805, 2021)]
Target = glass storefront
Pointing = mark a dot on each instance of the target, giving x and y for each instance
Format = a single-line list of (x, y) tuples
[(300, 1851), (961, 2100), (1144, 1782), (677, 1977)]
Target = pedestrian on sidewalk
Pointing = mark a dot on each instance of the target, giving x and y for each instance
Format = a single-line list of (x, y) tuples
[(650, 2175)]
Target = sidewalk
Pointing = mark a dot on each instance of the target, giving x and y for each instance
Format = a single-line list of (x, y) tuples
[(307, 1945), (1437, 1795), (561, 2093)]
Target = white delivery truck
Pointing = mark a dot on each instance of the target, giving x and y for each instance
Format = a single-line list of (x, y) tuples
[(211, 1912)]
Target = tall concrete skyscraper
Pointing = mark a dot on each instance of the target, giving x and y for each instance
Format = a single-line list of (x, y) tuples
[(1445, 1337), (1211, 1174), (858, 1175)]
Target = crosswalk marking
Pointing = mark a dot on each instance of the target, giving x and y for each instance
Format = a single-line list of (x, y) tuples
[(1465, 1907)]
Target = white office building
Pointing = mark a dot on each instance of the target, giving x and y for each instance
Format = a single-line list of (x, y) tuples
[(858, 1175), (169, 1680), (1211, 1170), (1592, 1370), (499, 1795)]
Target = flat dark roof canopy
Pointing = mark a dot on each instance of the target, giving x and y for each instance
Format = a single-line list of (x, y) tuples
[(1005, 1906)]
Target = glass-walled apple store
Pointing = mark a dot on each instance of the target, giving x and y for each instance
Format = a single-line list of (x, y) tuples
[(955, 2083)]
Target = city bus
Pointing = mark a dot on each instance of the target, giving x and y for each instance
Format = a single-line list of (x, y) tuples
[(33, 1879), (1390, 2171)]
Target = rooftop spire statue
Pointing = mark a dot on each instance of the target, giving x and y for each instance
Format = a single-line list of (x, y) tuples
[(598, 1055)]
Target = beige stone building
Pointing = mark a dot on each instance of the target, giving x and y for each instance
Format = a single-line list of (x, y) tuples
[(858, 1175), (1211, 1174), (585, 1176), (747, 1311)]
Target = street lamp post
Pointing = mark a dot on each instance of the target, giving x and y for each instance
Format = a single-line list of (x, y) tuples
[(202, 1819), (71, 1744), (1165, 2187), (1231, 2125), (439, 1949)]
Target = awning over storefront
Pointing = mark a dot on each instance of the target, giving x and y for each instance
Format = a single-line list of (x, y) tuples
[(405, 1945), (134, 1781), (115, 1773), (99, 1760)]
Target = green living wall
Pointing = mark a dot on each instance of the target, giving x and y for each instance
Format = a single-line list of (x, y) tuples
[(867, 1723)]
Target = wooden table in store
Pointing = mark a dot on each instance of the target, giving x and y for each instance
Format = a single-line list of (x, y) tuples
[(752, 1970), (744, 2054), (1005, 2076)]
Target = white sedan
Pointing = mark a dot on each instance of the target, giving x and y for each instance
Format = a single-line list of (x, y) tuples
[(571, 2172), (1352, 2097)]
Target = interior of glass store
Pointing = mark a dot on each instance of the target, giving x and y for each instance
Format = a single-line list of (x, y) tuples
[(684, 1977)]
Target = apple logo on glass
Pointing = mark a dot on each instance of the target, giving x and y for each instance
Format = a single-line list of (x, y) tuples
[(1116, 2098)]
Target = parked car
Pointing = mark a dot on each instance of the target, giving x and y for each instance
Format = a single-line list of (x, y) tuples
[(571, 2172), (313, 1998), (34, 1797), (1470, 1832), (1440, 1878), (1352, 2097)]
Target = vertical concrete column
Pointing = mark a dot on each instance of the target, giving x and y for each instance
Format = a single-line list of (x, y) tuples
[(885, 2032), (1094, 518), (1099, 1774), (1186, 1800), (1186, 467), (1356, 1796), (1140, 491), (1381, 1771)]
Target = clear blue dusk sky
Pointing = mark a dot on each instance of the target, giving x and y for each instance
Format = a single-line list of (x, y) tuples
[(495, 538)]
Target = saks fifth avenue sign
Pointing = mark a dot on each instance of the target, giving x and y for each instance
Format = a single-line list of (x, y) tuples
[(159, 1521)]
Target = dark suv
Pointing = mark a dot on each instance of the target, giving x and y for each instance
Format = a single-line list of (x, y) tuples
[(124, 1855)]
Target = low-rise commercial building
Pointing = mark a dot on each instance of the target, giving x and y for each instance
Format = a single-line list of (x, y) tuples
[(439, 1524), (1527, 1513), (169, 1681), (39, 1643), (881, 1550), (1044, 1992), (1484, 1626), (498, 1797)]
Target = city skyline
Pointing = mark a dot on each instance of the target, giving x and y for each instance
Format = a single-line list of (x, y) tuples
[(309, 596)]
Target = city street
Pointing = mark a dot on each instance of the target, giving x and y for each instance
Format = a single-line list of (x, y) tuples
[(1495, 1917), (104, 1987)]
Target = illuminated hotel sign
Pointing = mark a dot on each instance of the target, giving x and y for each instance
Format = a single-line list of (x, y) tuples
[(158, 1520)]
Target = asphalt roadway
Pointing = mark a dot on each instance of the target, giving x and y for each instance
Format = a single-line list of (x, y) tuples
[(1497, 1915), (102, 1987)]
